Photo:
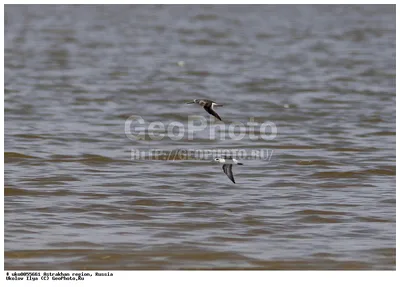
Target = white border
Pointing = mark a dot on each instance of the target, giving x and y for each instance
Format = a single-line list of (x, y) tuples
[(222, 278)]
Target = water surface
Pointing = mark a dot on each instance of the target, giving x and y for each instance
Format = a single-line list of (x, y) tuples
[(324, 75)]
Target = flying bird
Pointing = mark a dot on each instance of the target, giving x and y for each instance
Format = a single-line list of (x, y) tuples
[(208, 106), (227, 166)]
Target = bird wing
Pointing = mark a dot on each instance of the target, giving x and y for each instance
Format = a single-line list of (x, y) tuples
[(227, 168), (212, 112)]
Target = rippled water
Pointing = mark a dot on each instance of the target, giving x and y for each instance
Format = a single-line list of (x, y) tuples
[(324, 75)]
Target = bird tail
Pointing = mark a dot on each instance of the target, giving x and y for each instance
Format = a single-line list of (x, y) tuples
[(239, 163), (218, 105)]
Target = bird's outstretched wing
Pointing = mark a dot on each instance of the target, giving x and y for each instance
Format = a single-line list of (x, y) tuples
[(227, 168), (212, 112)]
